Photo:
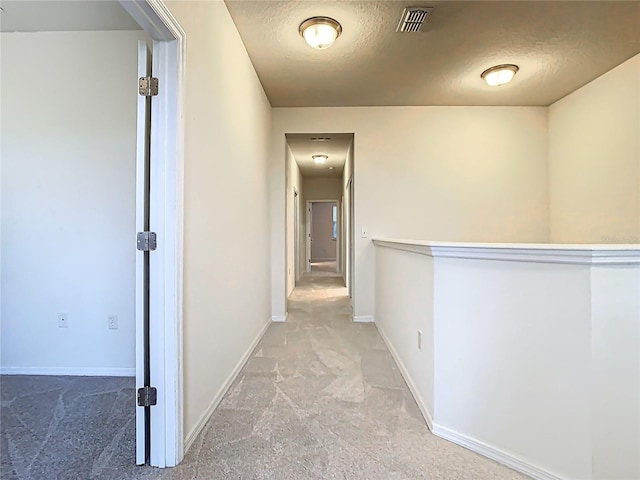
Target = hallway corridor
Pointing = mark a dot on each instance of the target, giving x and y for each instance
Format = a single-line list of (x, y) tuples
[(321, 398)]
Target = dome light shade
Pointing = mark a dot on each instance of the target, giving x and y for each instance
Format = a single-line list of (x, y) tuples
[(320, 32), (499, 75), (319, 159)]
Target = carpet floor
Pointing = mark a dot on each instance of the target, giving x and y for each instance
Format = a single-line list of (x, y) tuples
[(320, 398), (67, 428)]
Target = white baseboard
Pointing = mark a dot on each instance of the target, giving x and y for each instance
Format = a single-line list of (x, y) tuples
[(407, 378), (204, 418), (279, 318), (363, 319), (465, 441), (70, 371), (500, 456)]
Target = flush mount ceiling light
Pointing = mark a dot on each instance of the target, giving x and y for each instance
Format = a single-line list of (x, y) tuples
[(319, 159), (320, 32), (499, 75)]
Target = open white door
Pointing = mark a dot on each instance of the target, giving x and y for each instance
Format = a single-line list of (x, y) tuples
[(142, 258), (159, 434), (309, 238)]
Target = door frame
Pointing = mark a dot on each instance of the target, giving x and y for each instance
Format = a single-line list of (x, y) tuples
[(350, 237), (296, 236), (167, 214), (309, 224)]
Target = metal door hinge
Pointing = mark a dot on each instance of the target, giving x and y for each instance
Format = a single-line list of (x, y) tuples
[(147, 396), (148, 86), (147, 241)]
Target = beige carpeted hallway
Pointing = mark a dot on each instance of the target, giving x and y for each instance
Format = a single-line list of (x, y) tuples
[(321, 398)]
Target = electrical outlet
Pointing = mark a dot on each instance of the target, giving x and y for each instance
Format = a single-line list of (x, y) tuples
[(63, 320), (112, 321), (364, 232), (419, 339)]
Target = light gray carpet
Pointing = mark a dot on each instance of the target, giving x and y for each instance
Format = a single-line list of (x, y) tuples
[(328, 266), (320, 398)]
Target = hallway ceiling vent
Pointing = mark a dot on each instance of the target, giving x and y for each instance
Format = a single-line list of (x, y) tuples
[(320, 139), (413, 18)]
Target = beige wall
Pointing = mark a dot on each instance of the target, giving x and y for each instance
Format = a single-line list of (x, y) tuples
[(439, 173), (226, 229), (322, 188), (594, 160)]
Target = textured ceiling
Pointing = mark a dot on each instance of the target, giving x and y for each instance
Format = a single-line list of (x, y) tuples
[(54, 16), (559, 46), (336, 149)]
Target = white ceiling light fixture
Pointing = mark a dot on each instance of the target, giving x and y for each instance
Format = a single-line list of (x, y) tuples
[(499, 75), (320, 32), (319, 159)]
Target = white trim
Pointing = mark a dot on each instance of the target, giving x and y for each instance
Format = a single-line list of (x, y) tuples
[(167, 213), (509, 459), (576, 254), (279, 318), (407, 378), (70, 371), (364, 319), (204, 418), (154, 18)]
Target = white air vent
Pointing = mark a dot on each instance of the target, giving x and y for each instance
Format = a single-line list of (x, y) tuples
[(320, 139), (413, 18)]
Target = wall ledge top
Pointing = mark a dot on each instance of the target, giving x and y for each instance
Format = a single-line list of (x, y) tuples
[(579, 254)]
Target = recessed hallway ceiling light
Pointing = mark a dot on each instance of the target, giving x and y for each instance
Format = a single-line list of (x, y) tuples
[(319, 159), (320, 32), (499, 75)]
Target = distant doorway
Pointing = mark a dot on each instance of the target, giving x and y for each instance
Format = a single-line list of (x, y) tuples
[(323, 235)]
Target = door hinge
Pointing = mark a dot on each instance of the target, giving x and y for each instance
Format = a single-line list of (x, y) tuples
[(147, 396), (147, 241), (148, 86)]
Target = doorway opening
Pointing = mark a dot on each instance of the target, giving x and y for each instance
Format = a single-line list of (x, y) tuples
[(323, 237), (320, 209), (93, 209)]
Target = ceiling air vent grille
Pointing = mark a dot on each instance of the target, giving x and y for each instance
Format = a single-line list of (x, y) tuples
[(413, 18)]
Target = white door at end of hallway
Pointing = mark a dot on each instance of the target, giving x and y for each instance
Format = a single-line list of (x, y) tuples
[(324, 231)]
